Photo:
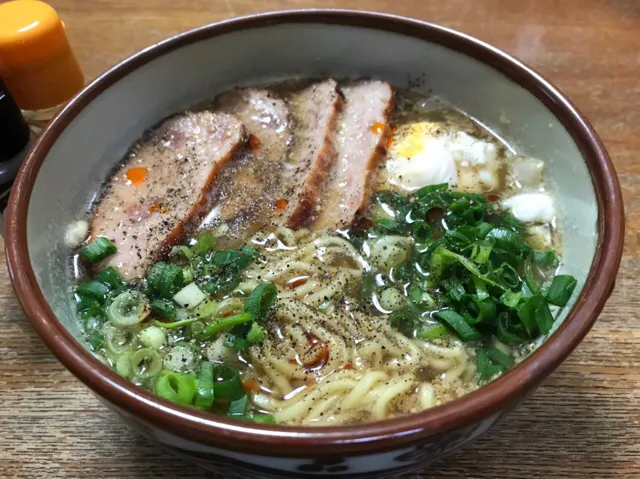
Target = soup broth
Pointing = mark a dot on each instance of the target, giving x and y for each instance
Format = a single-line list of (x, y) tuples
[(320, 253)]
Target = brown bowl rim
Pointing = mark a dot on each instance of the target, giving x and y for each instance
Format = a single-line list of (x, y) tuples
[(345, 440)]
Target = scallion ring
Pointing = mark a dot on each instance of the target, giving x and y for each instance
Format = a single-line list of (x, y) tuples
[(128, 309), (146, 363), (179, 388)]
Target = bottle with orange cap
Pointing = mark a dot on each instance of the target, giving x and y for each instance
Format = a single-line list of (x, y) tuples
[(37, 63)]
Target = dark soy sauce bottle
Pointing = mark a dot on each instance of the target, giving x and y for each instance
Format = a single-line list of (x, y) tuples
[(15, 139)]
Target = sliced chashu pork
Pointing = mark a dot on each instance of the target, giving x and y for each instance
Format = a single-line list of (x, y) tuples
[(363, 129), (246, 193), (265, 115), (162, 191), (315, 110)]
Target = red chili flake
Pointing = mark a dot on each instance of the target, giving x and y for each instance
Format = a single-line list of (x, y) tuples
[(297, 282), (254, 142), (280, 205), (320, 360), (348, 366), (493, 197), (313, 340), (137, 175), (158, 207), (251, 385), (377, 128)]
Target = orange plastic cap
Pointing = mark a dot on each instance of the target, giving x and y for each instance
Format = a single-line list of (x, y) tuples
[(36, 60)]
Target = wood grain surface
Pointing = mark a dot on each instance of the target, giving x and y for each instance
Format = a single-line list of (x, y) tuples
[(583, 422)]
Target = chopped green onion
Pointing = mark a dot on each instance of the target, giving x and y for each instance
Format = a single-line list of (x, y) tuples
[(204, 243), (117, 341), (153, 337), (500, 357), (233, 257), (256, 334), (535, 315), (238, 407), (545, 258), (175, 324), (89, 305), (95, 339), (483, 229), (195, 329), (264, 418), (236, 342), (561, 289), (164, 308), (481, 252), (481, 288), (176, 387), (260, 301), (419, 297), (421, 231), (442, 256), (123, 365), (388, 225), (486, 370), (146, 363), (98, 250), (187, 275), (227, 385), (429, 189), (437, 331), (180, 254), (225, 323), (507, 331), (112, 277), (511, 299), (181, 357), (95, 289), (529, 278), (164, 279), (204, 392), (508, 240), (190, 296), (454, 288), (405, 321), (207, 310), (128, 309), (464, 330)]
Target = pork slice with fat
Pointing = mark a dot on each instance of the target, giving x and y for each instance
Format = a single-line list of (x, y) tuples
[(161, 192), (315, 110), (246, 193), (363, 129)]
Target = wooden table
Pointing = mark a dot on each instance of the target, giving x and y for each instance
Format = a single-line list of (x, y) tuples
[(584, 421)]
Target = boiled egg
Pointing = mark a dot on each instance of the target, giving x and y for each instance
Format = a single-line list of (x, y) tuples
[(531, 207), (423, 154)]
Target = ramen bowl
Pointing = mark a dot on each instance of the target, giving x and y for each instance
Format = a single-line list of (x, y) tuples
[(79, 148)]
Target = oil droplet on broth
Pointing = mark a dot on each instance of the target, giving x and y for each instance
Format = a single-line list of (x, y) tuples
[(137, 175)]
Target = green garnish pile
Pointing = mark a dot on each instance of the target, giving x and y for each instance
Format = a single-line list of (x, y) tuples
[(471, 273)]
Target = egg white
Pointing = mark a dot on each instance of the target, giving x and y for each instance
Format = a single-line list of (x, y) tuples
[(422, 154)]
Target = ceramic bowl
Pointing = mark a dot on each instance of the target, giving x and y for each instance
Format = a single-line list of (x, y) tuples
[(74, 155)]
